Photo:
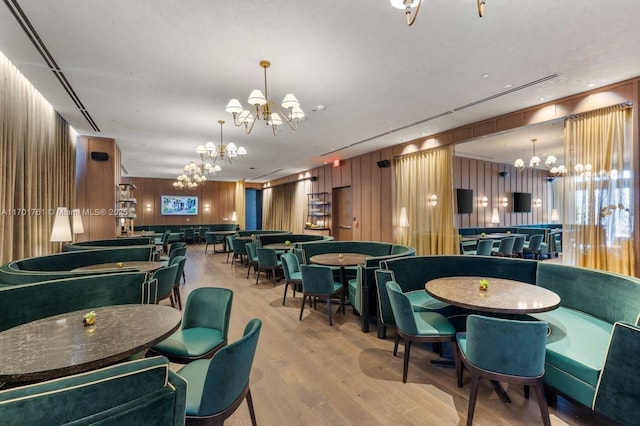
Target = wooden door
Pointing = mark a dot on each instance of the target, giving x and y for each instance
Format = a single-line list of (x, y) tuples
[(342, 214)]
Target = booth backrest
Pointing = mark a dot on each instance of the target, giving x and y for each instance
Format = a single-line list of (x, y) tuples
[(412, 273), (137, 392), (370, 248), (59, 265), (608, 296), (292, 238), (22, 303), (250, 232), (114, 242)]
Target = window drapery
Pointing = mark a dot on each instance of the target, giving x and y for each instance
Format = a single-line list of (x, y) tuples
[(240, 204), (424, 202), (37, 166), (598, 191), (284, 206)]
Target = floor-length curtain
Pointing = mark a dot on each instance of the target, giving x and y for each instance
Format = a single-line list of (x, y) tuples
[(598, 197), (240, 204), (284, 206), (37, 166), (424, 202)]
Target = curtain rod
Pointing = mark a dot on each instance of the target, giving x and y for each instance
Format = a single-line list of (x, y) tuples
[(621, 105)]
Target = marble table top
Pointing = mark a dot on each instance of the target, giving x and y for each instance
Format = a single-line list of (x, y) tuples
[(137, 265), (502, 295), (61, 345), (339, 259)]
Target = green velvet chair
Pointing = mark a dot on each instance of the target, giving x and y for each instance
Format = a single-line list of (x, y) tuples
[(165, 241), (179, 250), (180, 261), (318, 281), (505, 248), (217, 387), (204, 329), (292, 274), (252, 257), (239, 251), (166, 277), (302, 260), (483, 248), (229, 239), (504, 350), (532, 250), (422, 327), (617, 395), (518, 246), (210, 239), (268, 262)]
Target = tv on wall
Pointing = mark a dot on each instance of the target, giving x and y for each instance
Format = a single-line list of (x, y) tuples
[(178, 205), (522, 202), (465, 200)]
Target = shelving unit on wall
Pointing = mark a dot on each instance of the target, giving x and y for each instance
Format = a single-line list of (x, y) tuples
[(317, 213), (126, 210)]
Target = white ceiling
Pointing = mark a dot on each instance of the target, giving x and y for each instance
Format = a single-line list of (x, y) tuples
[(157, 74)]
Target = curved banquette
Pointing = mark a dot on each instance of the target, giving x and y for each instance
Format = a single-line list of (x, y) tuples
[(266, 239), (592, 302), (113, 242), (362, 291)]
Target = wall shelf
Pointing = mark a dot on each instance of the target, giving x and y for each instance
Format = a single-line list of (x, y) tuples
[(317, 211)]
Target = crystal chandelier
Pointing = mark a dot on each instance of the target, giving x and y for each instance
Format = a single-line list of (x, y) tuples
[(265, 109), (222, 151), (534, 162), (195, 175), (407, 5)]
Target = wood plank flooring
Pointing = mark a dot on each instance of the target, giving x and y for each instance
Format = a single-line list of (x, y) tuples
[(308, 373)]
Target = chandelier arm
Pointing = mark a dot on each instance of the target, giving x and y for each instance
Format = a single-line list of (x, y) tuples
[(410, 20), (284, 116), (248, 129)]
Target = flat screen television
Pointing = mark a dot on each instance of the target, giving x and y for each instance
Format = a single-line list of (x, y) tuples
[(465, 200), (178, 205), (522, 202)]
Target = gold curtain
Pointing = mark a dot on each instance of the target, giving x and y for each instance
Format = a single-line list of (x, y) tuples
[(240, 205), (284, 206), (37, 166), (598, 191), (424, 190)]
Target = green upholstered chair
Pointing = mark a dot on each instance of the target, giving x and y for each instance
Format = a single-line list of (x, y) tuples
[(218, 386), (268, 262), (292, 274), (189, 234), (180, 261), (617, 395), (483, 248), (180, 250), (204, 329), (210, 239), (504, 350), (252, 257), (505, 248), (532, 250), (518, 246), (165, 241), (424, 327), (317, 281), (166, 277), (230, 239), (239, 250)]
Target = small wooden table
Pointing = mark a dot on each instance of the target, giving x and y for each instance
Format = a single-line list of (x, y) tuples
[(138, 265), (61, 345), (503, 296)]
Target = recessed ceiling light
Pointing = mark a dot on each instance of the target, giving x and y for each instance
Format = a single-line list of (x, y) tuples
[(508, 86), (485, 76), (591, 84), (541, 99)]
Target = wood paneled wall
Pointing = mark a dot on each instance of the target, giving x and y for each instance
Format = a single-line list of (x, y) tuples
[(216, 202)]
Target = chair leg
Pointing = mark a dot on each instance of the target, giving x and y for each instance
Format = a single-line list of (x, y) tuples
[(382, 331), (329, 309), (173, 305), (178, 297), (458, 363), (286, 286), (248, 270), (304, 299), (473, 395), (258, 276), (251, 411), (542, 402), (395, 345), (526, 391), (405, 367), (273, 276)]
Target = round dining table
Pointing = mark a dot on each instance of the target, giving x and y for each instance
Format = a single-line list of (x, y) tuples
[(342, 260), (62, 345), (135, 265)]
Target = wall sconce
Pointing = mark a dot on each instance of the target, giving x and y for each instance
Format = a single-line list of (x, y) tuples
[(504, 202), (206, 207), (61, 231), (148, 207), (234, 216), (76, 222), (555, 217), (537, 202), (484, 201), (495, 217), (433, 200), (403, 222)]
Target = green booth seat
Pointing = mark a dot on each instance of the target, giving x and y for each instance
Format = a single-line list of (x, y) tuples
[(144, 391)]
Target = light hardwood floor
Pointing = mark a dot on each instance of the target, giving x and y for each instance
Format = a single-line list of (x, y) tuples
[(308, 373)]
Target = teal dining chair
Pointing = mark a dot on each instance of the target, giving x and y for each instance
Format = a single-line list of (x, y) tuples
[(166, 277), (532, 250), (204, 329), (268, 262), (505, 248), (252, 257), (292, 274), (180, 261), (411, 326), (503, 350), (518, 246), (483, 248), (217, 386), (317, 281)]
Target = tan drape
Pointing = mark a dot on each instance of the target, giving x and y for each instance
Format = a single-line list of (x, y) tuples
[(419, 177), (598, 192), (284, 206), (37, 166), (240, 205)]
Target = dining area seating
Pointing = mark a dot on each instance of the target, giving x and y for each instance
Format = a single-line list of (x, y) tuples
[(268, 263), (318, 282)]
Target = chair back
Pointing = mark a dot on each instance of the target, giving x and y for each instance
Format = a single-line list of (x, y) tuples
[(228, 372), (208, 307), (252, 251), (165, 237), (402, 309), (182, 251), (302, 260), (518, 245), (230, 239), (484, 247), (385, 311), (180, 261), (317, 279), (289, 265), (166, 277), (535, 242), (266, 257), (239, 246), (177, 245), (210, 238), (506, 246), (506, 346)]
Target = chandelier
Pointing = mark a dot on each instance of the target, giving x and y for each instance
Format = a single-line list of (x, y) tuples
[(265, 109), (534, 162), (407, 5), (196, 174), (222, 151)]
